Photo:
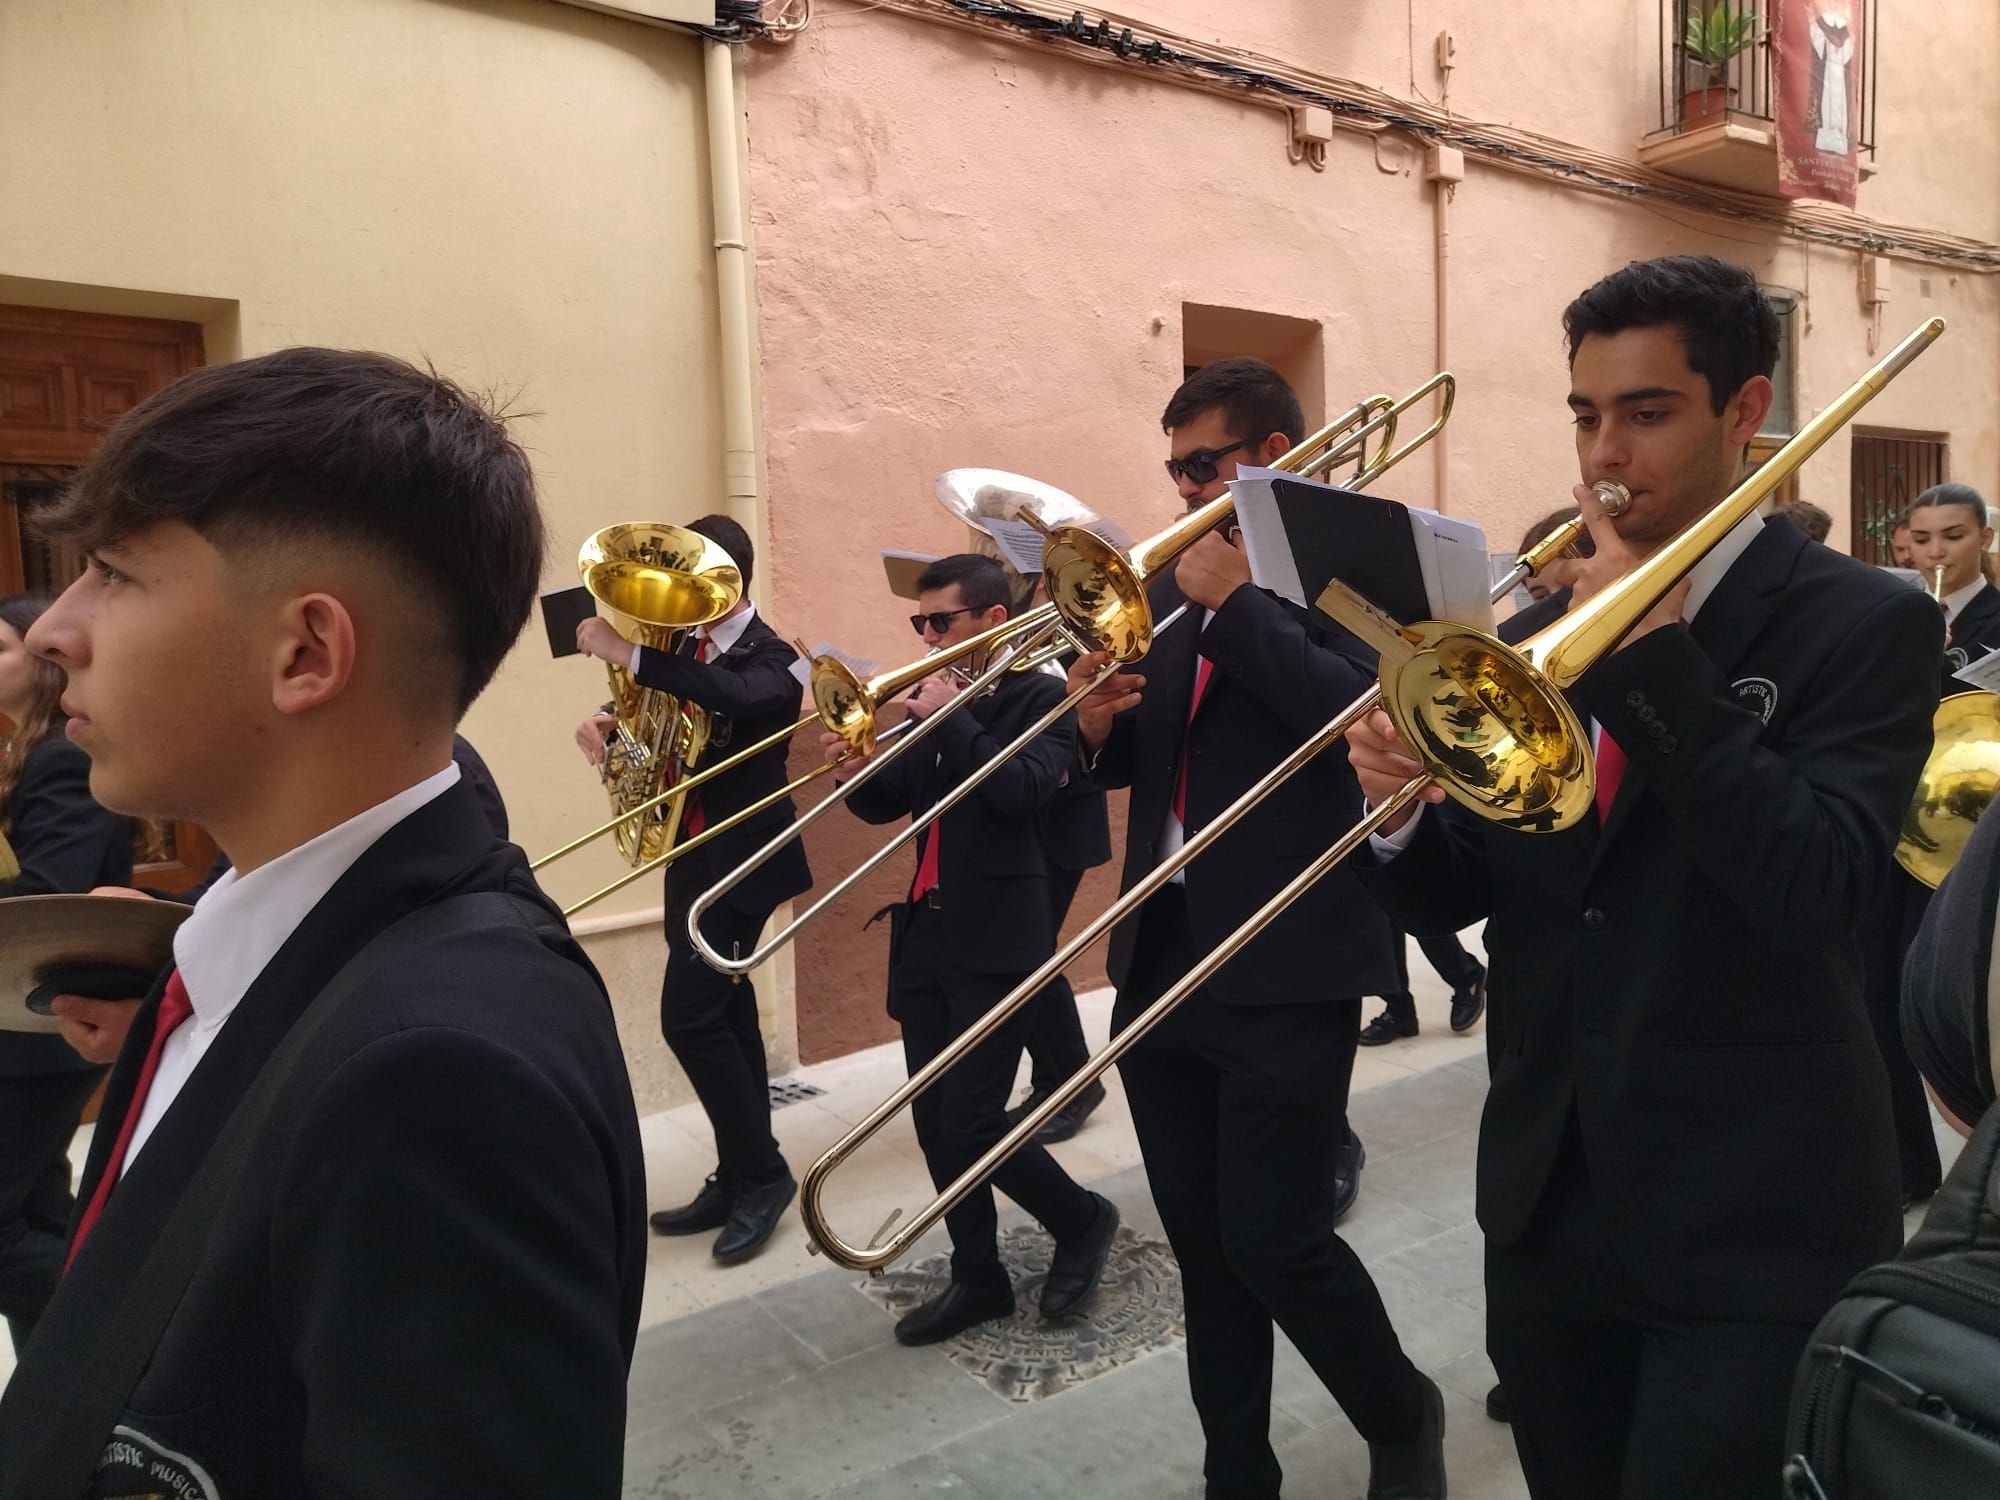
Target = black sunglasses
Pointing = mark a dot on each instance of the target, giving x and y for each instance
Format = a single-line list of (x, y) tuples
[(938, 619), (1199, 466)]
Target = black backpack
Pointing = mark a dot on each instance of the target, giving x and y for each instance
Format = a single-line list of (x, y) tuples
[(1899, 1392)]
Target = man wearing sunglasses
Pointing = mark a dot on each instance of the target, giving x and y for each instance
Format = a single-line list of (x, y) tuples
[(1239, 1096), (974, 923)]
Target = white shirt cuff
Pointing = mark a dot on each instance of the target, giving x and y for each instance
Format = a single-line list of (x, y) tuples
[(633, 665), (1388, 845)]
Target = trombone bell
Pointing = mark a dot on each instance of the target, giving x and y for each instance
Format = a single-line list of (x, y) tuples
[(1960, 779)]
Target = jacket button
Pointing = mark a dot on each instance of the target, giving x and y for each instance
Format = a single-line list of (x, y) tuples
[(1593, 917)]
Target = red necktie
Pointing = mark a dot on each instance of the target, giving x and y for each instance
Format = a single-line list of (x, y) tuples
[(1610, 771), (1180, 780), (175, 1008), (927, 867), (692, 822)]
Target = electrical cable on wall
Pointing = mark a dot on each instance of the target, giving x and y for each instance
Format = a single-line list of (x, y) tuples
[(1116, 41)]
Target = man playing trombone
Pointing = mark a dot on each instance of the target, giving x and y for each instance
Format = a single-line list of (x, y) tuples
[(1239, 1097), (975, 923), (1687, 1148), (740, 670)]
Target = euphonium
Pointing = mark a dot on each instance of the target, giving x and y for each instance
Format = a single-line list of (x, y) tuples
[(657, 581)]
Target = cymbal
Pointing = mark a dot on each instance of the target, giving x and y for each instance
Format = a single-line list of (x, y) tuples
[(107, 946)]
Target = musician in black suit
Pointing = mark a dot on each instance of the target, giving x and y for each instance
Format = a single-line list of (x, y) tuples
[(1687, 1146), (64, 842), (439, 1186), (741, 671), (1239, 1096), (976, 923), (1952, 528), (1948, 528)]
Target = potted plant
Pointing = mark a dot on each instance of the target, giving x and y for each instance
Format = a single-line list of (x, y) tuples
[(1712, 37)]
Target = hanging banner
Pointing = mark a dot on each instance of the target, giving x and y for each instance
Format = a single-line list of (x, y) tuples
[(1817, 46)]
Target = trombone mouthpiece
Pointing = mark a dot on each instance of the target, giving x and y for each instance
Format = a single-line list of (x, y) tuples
[(1613, 496)]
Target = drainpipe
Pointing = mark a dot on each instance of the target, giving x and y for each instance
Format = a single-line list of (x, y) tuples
[(1444, 169), (732, 291)]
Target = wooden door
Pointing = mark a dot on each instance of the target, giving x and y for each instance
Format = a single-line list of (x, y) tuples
[(64, 378)]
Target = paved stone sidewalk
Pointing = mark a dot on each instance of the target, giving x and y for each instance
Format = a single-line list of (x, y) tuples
[(800, 1390)]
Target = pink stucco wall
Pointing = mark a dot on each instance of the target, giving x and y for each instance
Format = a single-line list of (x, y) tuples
[(972, 251)]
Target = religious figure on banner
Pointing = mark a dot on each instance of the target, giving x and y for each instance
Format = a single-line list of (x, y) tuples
[(1833, 53), (1818, 62)]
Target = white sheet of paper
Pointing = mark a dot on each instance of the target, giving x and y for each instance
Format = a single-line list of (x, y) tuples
[(1457, 575), (1019, 543), (1272, 565), (1983, 674)]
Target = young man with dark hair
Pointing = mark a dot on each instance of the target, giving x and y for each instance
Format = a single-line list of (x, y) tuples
[(740, 670), (1809, 518), (371, 1137), (1239, 1097), (1686, 1148), (974, 925)]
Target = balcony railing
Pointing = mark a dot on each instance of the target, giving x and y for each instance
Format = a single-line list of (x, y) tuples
[(1750, 74)]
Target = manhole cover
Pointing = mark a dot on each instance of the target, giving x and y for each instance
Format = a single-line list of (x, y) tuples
[(791, 1091), (1136, 1309)]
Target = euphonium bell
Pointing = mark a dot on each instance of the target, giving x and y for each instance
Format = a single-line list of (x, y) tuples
[(656, 581)]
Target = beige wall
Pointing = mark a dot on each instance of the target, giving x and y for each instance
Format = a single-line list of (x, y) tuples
[(977, 251), (514, 190)]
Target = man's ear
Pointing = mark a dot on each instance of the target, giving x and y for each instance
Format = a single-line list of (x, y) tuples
[(313, 656), (1747, 409), (1274, 447)]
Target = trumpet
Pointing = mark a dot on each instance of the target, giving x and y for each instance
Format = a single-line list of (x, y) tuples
[(1097, 597), (1487, 721)]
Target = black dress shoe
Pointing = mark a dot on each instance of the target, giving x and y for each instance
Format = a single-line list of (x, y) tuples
[(1496, 1405), (1412, 1470), (752, 1218), (1347, 1176), (1468, 1000), (1068, 1120), (1078, 1264), (709, 1210), (955, 1309), (1398, 1019)]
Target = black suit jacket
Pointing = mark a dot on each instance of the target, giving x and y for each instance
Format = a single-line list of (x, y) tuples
[(66, 843), (1076, 824), (751, 692), (1279, 675), (1686, 982), (427, 1280), (1975, 633), (992, 898)]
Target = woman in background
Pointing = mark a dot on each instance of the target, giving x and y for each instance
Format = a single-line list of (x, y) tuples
[(64, 842)]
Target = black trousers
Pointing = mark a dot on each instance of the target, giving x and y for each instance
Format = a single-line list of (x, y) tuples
[(1885, 937), (1613, 1397), (963, 1113), (1055, 1032), (1237, 1111), (39, 1112), (710, 1023), (1446, 954)]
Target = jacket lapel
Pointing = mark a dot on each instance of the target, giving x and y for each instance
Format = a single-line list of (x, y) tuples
[(1728, 624)]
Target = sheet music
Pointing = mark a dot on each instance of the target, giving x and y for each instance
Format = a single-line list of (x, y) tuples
[(1272, 564), (1983, 674), (1456, 571), (1019, 543)]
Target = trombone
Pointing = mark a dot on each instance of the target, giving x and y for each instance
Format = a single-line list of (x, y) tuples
[(1489, 723), (1097, 594)]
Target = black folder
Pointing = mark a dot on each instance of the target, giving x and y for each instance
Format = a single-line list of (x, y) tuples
[(1363, 540), (562, 611)]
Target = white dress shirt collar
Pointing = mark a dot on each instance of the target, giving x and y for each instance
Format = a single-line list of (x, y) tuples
[(723, 635), (241, 922), (1706, 574)]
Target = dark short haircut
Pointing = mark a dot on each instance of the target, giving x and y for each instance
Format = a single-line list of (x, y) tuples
[(730, 536), (308, 447), (1954, 494), (1585, 545), (1726, 321), (1809, 518), (982, 582), (1902, 524), (1254, 398)]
